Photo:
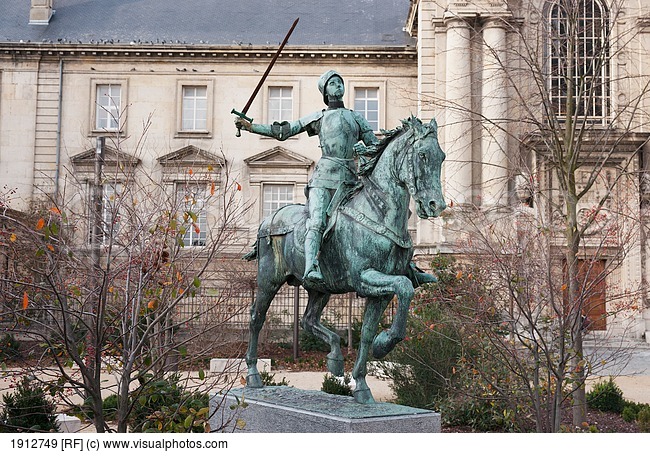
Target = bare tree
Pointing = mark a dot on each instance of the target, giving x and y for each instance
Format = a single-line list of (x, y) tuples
[(123, 285), (574, 134)]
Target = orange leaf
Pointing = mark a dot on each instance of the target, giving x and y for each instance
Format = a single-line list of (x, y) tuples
[(40, 224), (212, 187), (238, 186), (55, 210), (25, 300), (197, 230), (12, 238), (190, 171), (152, 304), (50, 247), (564, 286), (459, 275)]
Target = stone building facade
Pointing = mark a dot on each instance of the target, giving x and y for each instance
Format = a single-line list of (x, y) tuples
[(73, 71)]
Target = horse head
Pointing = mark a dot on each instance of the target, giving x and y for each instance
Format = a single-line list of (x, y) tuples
[(421, 167)]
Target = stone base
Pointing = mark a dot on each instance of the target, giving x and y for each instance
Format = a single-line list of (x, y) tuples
[(285, 409)]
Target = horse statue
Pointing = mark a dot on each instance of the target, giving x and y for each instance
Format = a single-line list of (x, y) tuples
[(366, 249)]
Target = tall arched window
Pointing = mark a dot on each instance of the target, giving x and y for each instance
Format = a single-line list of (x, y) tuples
[(579, 59)]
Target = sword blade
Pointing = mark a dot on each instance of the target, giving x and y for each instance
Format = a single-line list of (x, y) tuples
[(268, 68)]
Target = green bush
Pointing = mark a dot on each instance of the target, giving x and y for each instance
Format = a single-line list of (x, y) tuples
[(163, 405), (9, 348), (606, 396), (268, 379), (643, 419), (445, 363), (334, 385), (631, 411), (28, 410), (109, 405)]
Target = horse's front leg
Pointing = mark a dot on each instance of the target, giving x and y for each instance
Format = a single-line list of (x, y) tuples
[(402, 287), (374, 310)]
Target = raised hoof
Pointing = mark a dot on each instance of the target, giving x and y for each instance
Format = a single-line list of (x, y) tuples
[(254, 381), (383, 344), (336, 366), (363, 396)]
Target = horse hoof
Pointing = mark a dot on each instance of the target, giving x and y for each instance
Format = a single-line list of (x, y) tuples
[(363, 396), (254, 381), (336, 366)]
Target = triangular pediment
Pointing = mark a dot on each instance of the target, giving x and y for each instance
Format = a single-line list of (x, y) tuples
[(278, 157), (112, 157), (191, 156)]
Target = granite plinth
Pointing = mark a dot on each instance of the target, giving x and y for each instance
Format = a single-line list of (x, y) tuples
[(274, 409)]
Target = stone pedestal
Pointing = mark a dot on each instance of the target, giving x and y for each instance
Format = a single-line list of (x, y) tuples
[(274, 409)]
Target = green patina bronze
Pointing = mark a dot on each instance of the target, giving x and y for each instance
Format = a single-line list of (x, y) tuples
[(353, 233)]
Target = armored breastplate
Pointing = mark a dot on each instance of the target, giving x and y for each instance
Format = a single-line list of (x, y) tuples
[(339, 132)]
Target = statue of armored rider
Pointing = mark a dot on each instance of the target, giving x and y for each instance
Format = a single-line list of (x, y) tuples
[(343, 134)]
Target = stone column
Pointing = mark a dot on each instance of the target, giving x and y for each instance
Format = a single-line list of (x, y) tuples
[(458, 103), (494, 142)]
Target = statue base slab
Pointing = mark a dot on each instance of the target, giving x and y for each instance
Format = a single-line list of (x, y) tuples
[(283, 409)]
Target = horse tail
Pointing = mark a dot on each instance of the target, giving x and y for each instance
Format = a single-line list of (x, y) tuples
[(252, 255)]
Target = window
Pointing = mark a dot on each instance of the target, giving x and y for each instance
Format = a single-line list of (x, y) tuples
[(195, 108), (110, 220), (366, 102), (108, 104), (578, 59), (193, 218), (276, 196), (280, 104)]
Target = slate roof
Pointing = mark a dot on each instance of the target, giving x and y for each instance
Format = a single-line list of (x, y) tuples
[(214, 22)]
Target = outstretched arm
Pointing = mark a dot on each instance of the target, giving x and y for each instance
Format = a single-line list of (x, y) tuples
[(280, 130)]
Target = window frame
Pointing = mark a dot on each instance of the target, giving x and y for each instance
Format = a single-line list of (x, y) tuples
[(190, 237), (365, 100), (96, 129), (353, 85), (181, 132), (594, 109), (295, 94), (278, 204)]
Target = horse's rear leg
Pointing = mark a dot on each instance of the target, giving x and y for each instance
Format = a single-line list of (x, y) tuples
[(257, 317), (312, 324)]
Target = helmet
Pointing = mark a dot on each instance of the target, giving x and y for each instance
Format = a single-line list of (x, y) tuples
[(322, 82)]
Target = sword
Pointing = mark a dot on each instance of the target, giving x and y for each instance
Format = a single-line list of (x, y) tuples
[(242, 113)]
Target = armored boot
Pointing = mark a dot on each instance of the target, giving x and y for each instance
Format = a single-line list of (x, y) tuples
[(313, 240)]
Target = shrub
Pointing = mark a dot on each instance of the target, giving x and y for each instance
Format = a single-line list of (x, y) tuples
[(643, 418), (9, 348), (334, 385), (27, 409), (268, 379), (631, 411), (606, 396), (165, 406), (109, 405)]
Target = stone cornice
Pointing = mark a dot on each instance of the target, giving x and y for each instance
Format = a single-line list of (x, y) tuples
[(208, 53)]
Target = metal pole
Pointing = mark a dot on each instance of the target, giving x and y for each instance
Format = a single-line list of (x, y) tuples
[(97, 202), (296, 321), (350, 299)]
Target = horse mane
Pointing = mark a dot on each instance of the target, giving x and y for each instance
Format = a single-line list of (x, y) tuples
[(368, 162)]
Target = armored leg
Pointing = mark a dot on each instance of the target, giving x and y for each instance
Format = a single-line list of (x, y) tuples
[(318, 200)]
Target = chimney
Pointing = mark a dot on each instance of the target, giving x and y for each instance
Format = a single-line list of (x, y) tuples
[(40, 12)]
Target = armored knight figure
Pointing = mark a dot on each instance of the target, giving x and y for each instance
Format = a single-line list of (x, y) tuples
[(343, 134)]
